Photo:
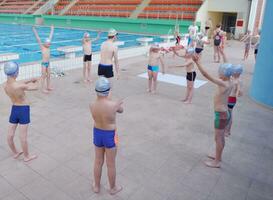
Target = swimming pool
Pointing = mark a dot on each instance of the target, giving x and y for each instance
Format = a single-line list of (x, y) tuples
[(20, 39)]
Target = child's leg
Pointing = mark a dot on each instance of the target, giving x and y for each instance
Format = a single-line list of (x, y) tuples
[(190, 91), (84, 71), (215, 53), (221, 51), (11, 133), (111, 170), (44, 75), (228, 128), (154, 81), (23, 139), (247, 53), (89, 64), (218, 54), (150, 79), (48, 78), (99, 160)]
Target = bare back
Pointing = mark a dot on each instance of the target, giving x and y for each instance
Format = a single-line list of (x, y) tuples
[(154, 58), (16, 93), (86, 45), (221, 97), (104, 114), (108, 49)]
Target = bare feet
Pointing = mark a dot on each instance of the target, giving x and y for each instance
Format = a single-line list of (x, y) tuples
[(45, 91), (227, 134), (187, 102), (115, 190), (30, 158), (149, 91), (50, 88), (96, 189), (183, 100), (211, 157), (17, 155), (212, 164), (90, 80)]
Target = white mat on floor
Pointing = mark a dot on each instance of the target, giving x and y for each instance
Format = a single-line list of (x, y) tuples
[(173, 79)]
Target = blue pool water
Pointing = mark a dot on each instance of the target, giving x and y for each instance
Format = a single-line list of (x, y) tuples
[(20, 39)]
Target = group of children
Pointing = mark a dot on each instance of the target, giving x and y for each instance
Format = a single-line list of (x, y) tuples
[(104, 109)]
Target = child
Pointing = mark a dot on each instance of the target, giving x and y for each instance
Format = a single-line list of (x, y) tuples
[(87, 58), (235, 93), (191, 74), (222, 115), (20, 112), (217, 42), (201, 41), (153, 67), (247, 40), (45, 49), (105, 139)]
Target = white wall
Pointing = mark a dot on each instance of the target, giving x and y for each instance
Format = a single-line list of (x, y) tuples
[(202, 14), (252, 15)]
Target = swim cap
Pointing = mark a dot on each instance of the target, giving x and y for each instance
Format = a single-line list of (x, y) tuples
[(225, 69), (11, 68), (102, 86), (237, 69), (47, 41), (86, 35), (200, 35), (112, 32), (190, 50)]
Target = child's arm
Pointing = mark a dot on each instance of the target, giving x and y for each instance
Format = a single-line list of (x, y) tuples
[(175, 52), (116, 61), (208, 76), (162, 64), (97, 38), (51, 32), (37, 36), (30, 85), (119, 107)]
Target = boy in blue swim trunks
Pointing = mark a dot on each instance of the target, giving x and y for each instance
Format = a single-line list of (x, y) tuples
[(153, 67), (105, 139), (222, 115), (20, 112), (45, 49)]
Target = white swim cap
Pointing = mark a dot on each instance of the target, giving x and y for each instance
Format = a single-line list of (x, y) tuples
[(237, 69), (47, 41), (102, 86), (226, 69), (112, 32), (190, 50), (86, 35), (11, 68)]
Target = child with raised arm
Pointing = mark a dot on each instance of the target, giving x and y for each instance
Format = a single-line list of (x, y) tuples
[(105, 138), (191, 74), (87, 57), (200, 43), (222, 115), (155, 57), (235, 93), (45, 49), (20, 111), (247, 40)]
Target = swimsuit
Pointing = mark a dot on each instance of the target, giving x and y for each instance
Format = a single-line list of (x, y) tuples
[(221, 119), (198, 50), (45, 64), (191, 76), (20, 115), (231, 102), (153, 68), (105, 70), (207, 27), (105, 138), (87, 58), (178, 39)]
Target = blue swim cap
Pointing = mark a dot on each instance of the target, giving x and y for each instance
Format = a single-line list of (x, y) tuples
[(237, 69), (102, 86), (226, 69), (190, 50), (11, 68), (47, 41)]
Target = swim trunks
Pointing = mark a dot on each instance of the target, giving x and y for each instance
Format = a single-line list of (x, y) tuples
[(87, 58), (105, 138), (198, 50), (153, 68), (231, 102), (20, 115), (221, 119), (256, 51), (105, 70), (45, 64), (207, 27), (191, 76)]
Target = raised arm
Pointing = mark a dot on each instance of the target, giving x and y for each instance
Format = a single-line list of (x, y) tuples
[(207, 75), (36, 36), (30, 85), (97, 38), (116, 61), (51, 32), (175, 52)]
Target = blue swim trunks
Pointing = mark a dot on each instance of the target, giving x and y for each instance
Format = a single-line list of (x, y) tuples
[(153, 68), (45, 64), (104, 138), (20, 115)]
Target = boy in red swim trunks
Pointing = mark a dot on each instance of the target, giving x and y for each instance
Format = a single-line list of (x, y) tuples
[(235, 93), (104, 111)]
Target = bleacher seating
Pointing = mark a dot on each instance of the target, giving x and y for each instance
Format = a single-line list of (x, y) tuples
[(16, 6)]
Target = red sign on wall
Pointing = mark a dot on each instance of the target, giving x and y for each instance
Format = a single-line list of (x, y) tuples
[(240, 23)]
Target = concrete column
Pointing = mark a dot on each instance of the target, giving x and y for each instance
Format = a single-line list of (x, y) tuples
[(262, 83)]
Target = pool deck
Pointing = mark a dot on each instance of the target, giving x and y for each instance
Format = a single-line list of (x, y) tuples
[(163, 142)]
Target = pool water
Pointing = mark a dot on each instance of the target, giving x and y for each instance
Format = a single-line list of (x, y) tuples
[(20, 39)]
